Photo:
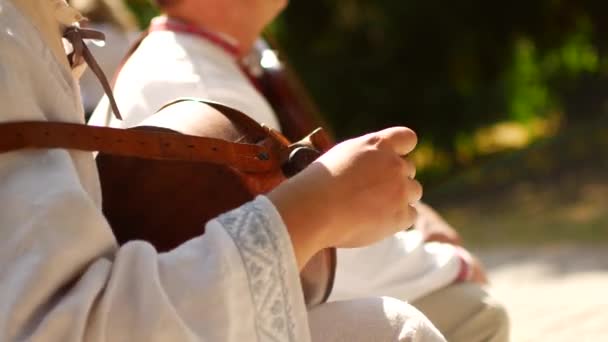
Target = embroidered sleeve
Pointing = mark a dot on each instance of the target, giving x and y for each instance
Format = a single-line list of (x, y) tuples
[(267, 254)]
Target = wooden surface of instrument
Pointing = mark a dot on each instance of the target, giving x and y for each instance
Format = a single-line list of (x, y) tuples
[(168, 202)]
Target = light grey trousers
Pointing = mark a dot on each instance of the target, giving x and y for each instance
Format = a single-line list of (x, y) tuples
[(466, 313), (377, 319)]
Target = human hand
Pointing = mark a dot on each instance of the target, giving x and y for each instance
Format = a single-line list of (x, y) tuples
[(478, 273), (359, 192), (473, 270)]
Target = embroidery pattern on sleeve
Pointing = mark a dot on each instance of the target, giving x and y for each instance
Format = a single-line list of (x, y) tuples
[(262, 256)]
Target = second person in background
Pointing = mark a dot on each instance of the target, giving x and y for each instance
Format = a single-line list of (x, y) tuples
[(195, 50)]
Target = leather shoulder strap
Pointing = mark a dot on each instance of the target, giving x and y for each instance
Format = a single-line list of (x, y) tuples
[(145, 144)]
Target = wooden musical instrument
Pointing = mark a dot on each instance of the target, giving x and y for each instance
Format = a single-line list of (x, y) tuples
[(167, 202), (163, 180)]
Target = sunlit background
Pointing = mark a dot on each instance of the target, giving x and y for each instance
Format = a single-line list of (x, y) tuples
[(510, 100)]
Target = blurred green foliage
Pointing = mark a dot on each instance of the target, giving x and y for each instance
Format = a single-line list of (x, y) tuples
[(448, 69), (143, 10)]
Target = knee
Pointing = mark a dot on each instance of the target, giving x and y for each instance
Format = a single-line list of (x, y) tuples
[(408, 323), (371, 319), (490, 323), (498, 322), (467, 313)]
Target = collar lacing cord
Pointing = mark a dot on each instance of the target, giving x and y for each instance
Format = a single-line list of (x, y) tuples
[(76, 36)]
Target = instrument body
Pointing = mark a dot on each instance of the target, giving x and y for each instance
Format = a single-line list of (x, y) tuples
[(162, 182), (167, 202)]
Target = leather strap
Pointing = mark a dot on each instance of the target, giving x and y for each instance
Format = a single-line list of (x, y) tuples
[(137, 142), (76, 36)]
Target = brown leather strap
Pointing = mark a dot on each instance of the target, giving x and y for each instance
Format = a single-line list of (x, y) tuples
[(140, 143), (76, 36)]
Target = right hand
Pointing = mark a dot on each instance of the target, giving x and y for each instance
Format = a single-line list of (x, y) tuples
[(475, 271), (357, 193)]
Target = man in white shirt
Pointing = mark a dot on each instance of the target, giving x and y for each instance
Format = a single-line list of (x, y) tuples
[(64, 278), (194, 51)]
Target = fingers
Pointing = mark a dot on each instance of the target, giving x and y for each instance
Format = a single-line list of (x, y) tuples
[(412, 189), (409, 168), (414, 193), (406, 217), (401, 140)]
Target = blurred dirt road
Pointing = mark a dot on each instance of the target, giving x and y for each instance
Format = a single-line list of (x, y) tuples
[(553, 293)]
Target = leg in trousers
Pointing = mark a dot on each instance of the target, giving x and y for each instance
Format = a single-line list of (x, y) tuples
[(377, 319), (465, 312)]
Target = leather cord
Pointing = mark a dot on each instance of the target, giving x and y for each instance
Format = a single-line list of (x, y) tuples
[(76, 36)]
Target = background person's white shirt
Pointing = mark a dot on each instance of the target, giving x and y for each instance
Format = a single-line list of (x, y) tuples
[(169, 65), (62, 275)]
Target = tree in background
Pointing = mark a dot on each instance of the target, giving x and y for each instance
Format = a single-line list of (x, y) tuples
[(451, 70), (472, 77)]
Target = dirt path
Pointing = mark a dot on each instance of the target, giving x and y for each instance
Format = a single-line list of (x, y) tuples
[(554, 293)]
